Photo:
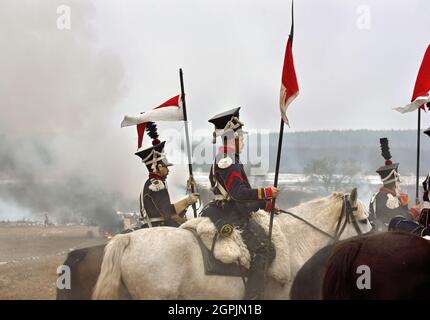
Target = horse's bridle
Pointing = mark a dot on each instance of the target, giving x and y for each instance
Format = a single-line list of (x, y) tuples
[(347, 212)]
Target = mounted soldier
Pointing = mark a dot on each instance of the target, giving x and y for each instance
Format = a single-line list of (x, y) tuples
[(235, 199), (155, 205), (421, 226), (388, 202)]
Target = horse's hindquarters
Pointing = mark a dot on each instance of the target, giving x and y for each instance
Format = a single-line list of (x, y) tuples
[(167, 263)]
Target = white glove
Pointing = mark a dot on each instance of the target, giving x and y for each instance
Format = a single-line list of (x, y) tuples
[(193, 198)]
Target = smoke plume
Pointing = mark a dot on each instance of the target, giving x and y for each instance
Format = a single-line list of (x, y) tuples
[(58, 89)]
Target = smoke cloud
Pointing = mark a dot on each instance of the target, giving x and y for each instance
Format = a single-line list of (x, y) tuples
[(58, 90)]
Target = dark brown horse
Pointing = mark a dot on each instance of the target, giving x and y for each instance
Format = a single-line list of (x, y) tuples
[(399, 265), (84, 267), (307, 284)]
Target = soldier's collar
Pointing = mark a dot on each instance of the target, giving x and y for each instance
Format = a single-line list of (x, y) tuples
[(386, 190), (230, 153), (226, 150), (153, 175)]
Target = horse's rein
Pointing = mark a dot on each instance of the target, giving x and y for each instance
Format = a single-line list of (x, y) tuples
[(308, 223), (347, 211)]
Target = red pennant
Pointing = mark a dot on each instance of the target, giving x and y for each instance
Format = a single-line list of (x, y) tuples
[(140, 131), (289, 85), (422, 84), (175, 101)]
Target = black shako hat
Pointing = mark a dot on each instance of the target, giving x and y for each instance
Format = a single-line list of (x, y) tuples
[(226, 122), (427, 131), (389, 171), (220, 120), (153, 156)]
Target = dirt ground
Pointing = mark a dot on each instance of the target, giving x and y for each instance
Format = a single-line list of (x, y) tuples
[(30, 255)]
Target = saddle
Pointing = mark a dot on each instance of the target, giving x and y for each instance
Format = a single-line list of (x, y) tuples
[(400, 223), (214, 266), (228, 255)]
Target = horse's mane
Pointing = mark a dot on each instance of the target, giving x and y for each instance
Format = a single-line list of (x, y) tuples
[(320, 206)]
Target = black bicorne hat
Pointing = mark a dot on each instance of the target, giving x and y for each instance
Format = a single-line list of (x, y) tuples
[(153, 156), (389, 170), (226, 122)]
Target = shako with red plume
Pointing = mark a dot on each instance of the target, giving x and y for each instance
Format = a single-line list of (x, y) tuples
[(389, 171)]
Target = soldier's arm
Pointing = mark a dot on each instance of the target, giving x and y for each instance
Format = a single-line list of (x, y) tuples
[(161, 202), (239, 191)]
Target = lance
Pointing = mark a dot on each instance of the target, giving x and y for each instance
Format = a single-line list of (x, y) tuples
[(187, 138), (281, 134), (417, 189), (275, 183)]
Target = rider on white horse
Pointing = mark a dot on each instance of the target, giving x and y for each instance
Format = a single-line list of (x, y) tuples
[(235, 199), (154, 199)]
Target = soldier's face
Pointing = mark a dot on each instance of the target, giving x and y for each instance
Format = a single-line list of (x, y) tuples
[(163, 170), (232, 143)]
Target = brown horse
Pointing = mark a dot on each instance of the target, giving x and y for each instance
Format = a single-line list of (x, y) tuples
[(84, 267), (308, 282), (399, 265)]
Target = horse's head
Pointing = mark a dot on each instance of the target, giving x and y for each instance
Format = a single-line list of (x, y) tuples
[(355, 214)]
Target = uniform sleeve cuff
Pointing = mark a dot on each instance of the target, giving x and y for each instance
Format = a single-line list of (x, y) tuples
[(269, 206), (260, 193), (268, 193), (414, 212)]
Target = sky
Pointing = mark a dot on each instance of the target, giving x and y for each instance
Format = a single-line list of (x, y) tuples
[(355, 60), (65, 87)]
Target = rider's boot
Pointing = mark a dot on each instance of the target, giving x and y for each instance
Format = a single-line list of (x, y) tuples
[(254, 288)]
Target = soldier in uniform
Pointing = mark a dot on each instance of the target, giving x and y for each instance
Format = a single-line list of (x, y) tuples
[(421, 227), (155, 205), (235, 199), (388, 202)]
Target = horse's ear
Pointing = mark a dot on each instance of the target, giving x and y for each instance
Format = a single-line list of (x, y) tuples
[(353, 197)]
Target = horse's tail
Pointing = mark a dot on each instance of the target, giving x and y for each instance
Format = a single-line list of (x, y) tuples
[(339, 278), (109, 281)]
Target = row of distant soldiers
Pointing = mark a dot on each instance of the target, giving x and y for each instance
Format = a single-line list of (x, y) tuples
[(235, 199)]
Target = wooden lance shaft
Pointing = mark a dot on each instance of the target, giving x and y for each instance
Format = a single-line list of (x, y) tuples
[(187, 137), (417, 189)]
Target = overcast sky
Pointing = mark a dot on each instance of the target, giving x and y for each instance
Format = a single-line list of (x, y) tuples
[(64, 92), (232, 51)]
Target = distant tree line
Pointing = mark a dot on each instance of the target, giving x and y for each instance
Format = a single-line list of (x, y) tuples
[(301, 150)]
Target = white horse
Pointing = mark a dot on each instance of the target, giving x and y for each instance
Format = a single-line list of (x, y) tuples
[(167, 263)]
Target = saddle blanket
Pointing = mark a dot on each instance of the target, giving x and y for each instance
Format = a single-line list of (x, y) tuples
[(408, 226), (232, 249)]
